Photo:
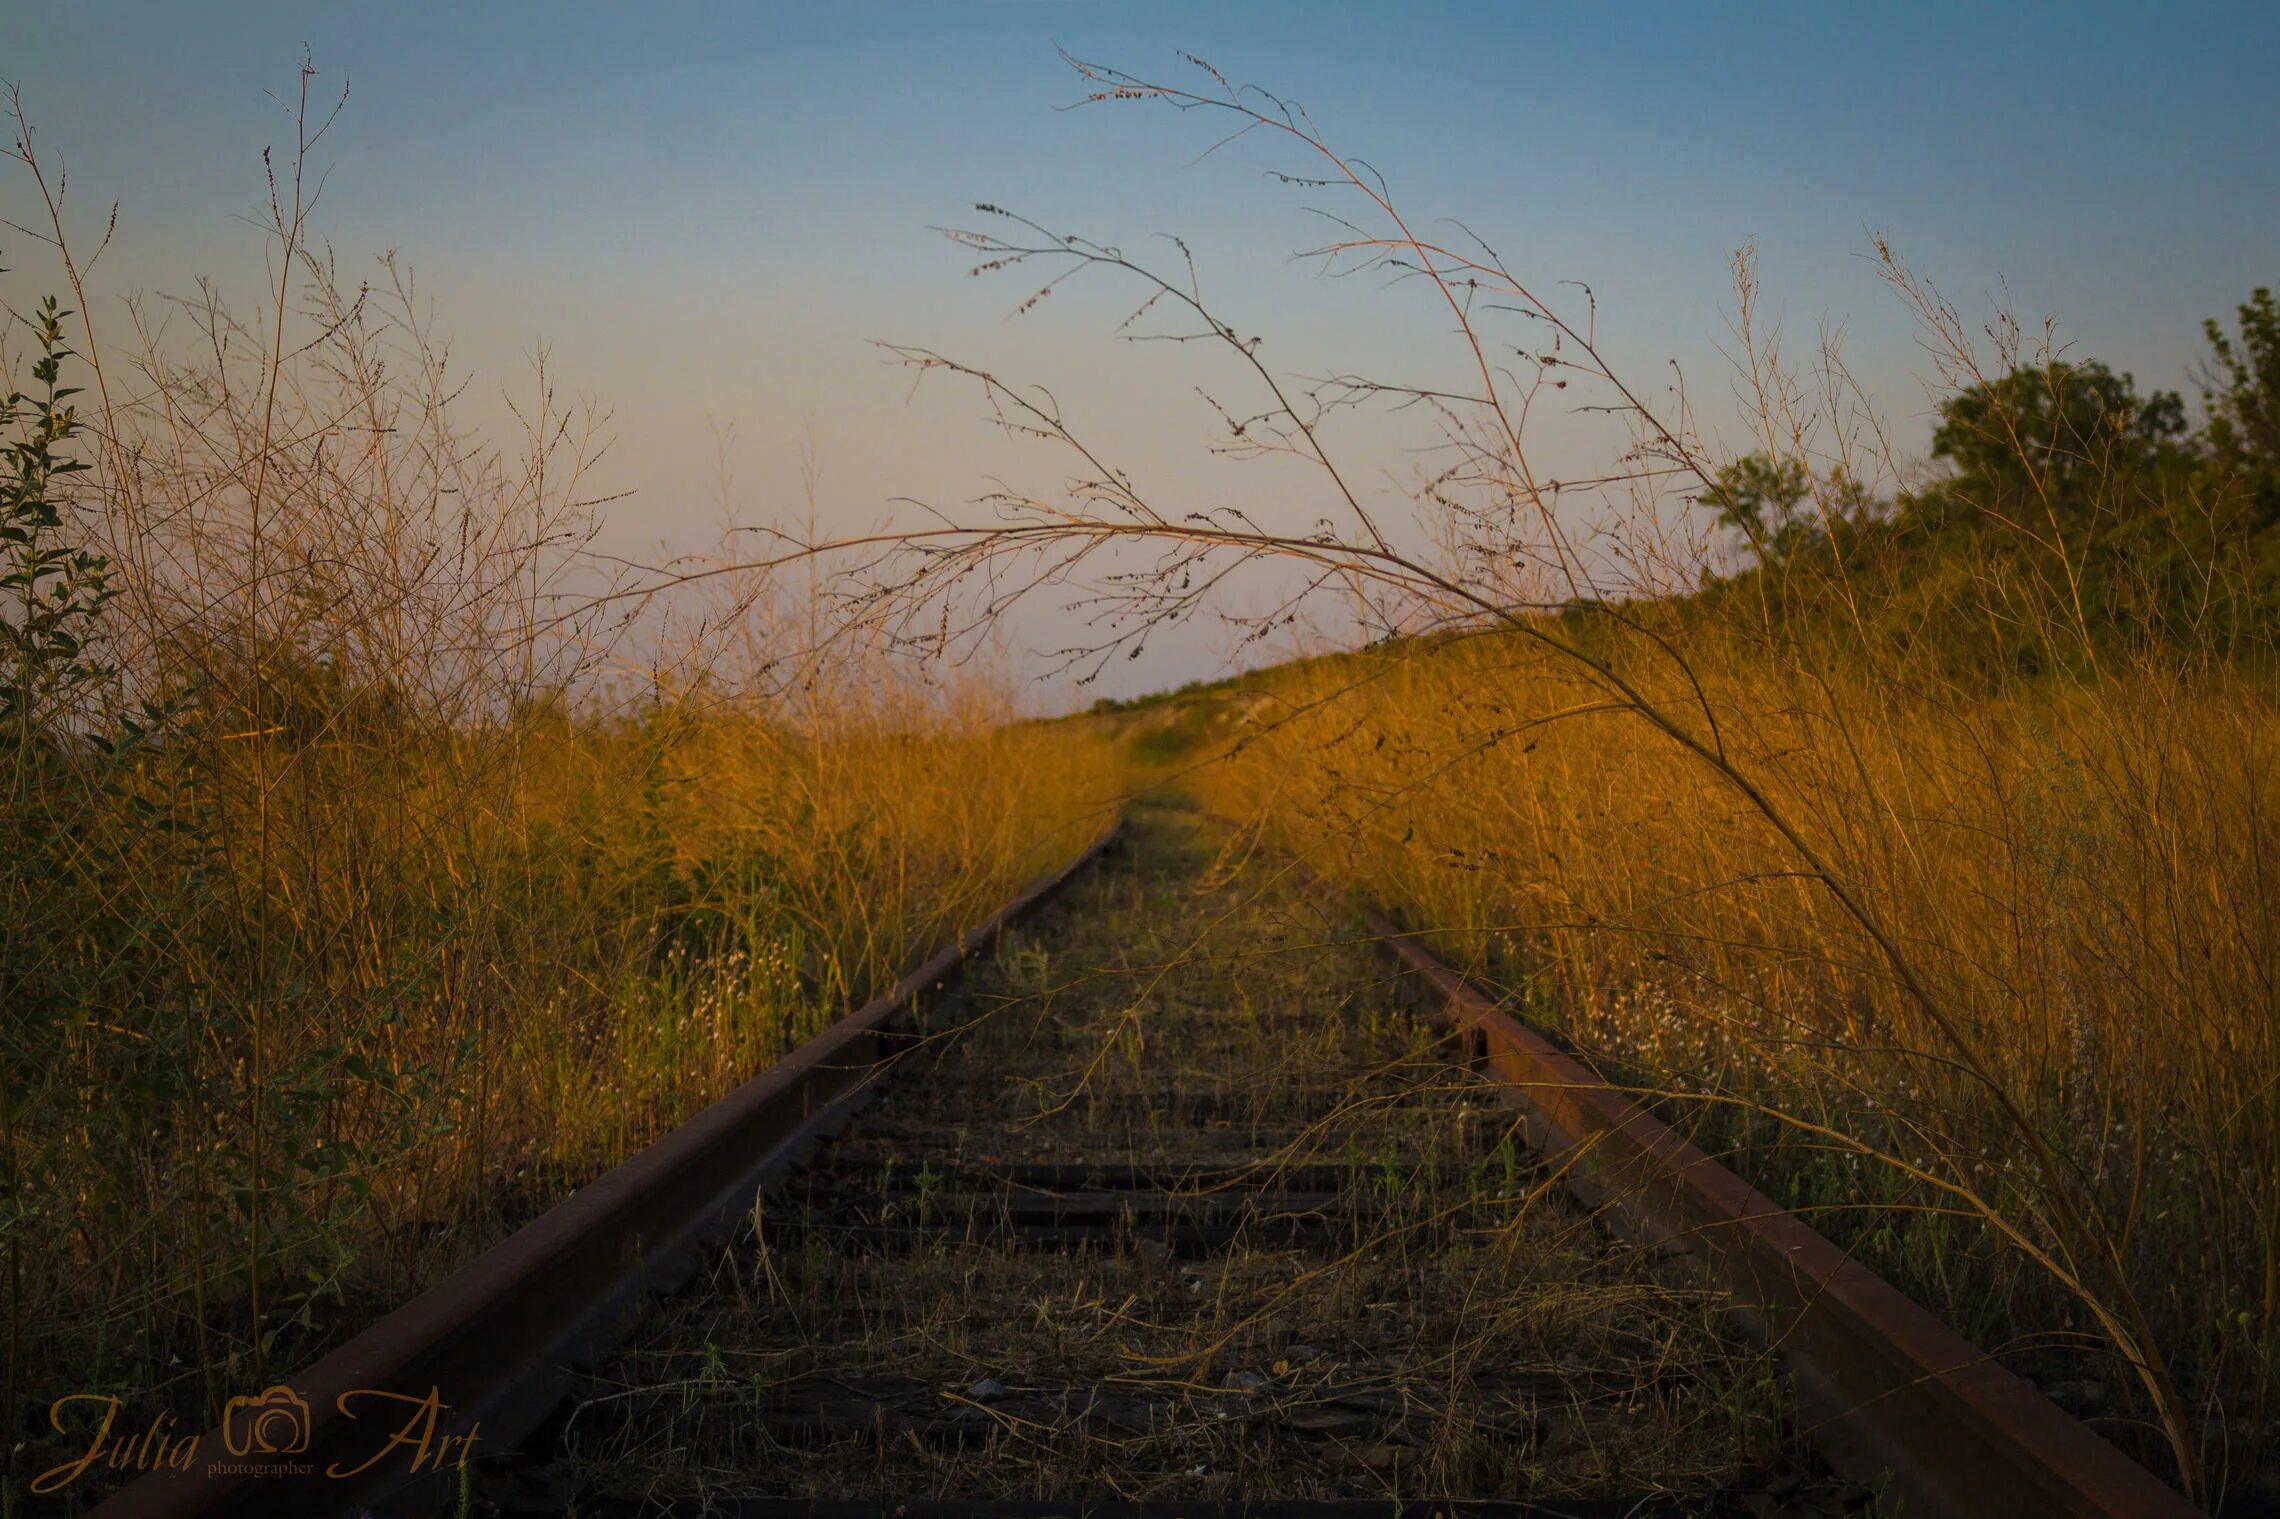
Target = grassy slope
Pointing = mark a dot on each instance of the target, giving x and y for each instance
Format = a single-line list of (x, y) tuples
[(2074, 865)]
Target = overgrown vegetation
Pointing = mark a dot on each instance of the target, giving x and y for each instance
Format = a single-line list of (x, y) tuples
[(2021, 714), (2079, 879), (2068, 521), (1189, 1204), (354, 902), (1904, 821), (1903, 825)]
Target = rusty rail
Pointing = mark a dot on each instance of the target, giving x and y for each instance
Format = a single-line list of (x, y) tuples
[(1890, 1389), (386, 1421)]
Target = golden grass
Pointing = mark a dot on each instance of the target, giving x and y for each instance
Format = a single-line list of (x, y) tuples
[(362, 894), (310, 983), (2081, 873), (1916, 844), (816, 867)]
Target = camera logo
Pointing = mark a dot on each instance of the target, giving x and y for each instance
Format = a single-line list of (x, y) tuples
[(274, 1424)]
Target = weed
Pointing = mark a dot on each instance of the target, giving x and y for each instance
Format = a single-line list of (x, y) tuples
[(354, 910)]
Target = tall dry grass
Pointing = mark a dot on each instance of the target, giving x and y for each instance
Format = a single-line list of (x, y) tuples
[(1914, 843), (372, 875), (2077, 873)]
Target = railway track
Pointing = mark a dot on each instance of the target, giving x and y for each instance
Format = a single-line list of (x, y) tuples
[(1177, 1208), (1182, 1203)]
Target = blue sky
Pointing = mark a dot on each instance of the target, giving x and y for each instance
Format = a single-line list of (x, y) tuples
[(709, 210)]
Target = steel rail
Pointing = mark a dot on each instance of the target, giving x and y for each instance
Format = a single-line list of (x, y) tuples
[(483, 1356), (1890, 1391)]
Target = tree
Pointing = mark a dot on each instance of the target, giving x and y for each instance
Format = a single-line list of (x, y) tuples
[(1766, 500), (2049, 445), (2242, 390), (1782, 510)]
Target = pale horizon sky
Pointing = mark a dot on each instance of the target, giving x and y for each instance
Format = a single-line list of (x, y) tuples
[(708, 212)]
